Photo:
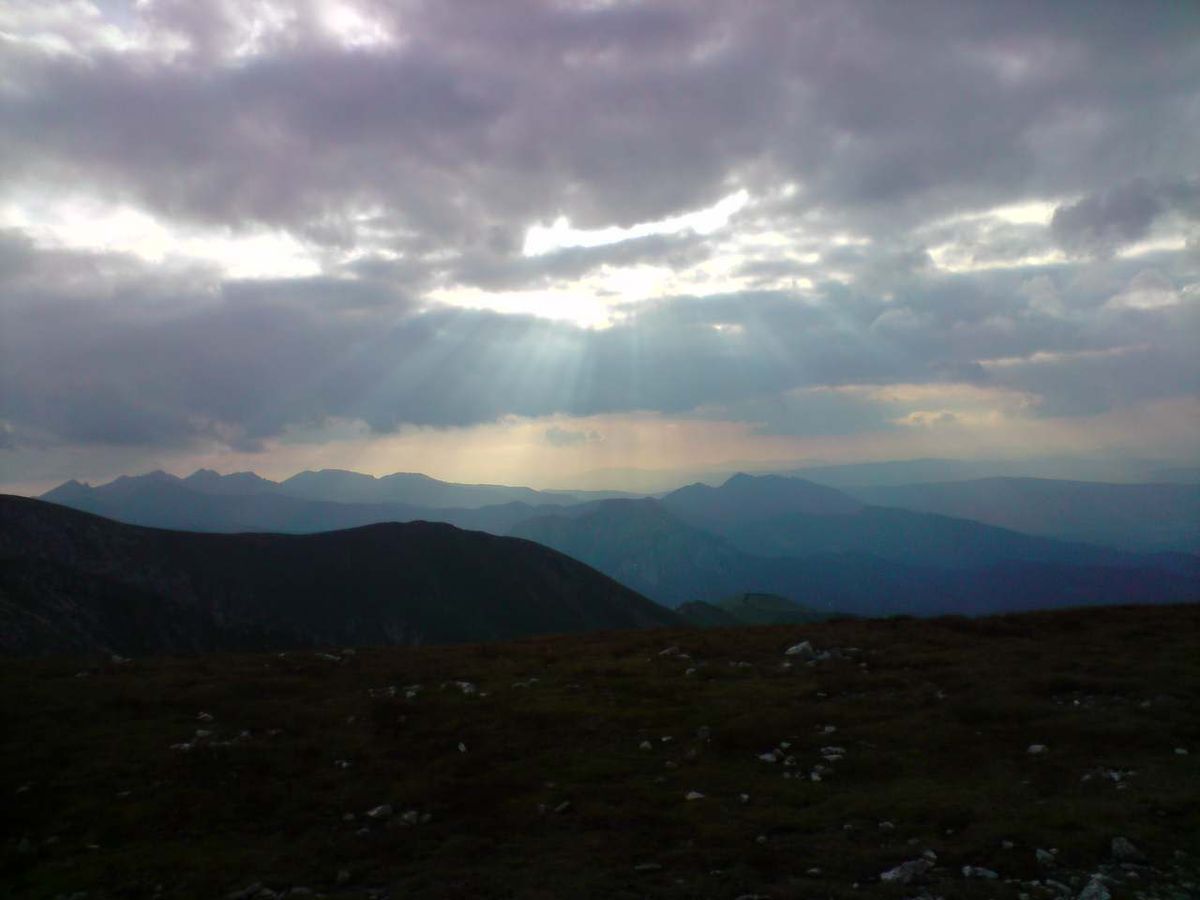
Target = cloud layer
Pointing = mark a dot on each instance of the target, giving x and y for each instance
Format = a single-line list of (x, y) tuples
[(952, 211)]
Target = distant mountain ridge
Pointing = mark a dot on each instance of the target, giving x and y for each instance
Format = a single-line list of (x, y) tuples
[(331, 486), (807, 542), (74, 582), (1140, 517), (644, 545)]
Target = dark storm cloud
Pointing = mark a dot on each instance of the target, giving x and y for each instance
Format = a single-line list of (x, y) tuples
[(1106, 221)]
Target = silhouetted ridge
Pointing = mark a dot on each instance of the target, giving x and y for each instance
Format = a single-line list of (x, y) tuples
[(64, 574)]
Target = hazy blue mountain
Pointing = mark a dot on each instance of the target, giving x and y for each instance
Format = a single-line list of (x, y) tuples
[(72, 582), (744, 498), (915, 471), (641, 544), (776, 516), (768, 609), (418, 490), (706, 615), (1133, 516), (239, 483), (168, 502)]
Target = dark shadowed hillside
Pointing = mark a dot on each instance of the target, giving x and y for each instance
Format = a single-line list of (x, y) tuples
[(75, 582)]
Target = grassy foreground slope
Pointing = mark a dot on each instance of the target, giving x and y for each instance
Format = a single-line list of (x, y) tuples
[(554, 767)]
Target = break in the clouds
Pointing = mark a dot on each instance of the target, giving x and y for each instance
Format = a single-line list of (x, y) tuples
[(239, 227)]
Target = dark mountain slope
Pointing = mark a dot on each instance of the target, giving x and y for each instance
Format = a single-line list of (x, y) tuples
[(381, 584), (777, 516), (641, 544), (1132, 516), (745, 498)]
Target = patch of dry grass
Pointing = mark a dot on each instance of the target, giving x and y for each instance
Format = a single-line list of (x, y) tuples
[(935, 717)]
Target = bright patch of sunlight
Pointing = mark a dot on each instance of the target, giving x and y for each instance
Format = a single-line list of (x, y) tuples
[(88, 225), (541, 239)]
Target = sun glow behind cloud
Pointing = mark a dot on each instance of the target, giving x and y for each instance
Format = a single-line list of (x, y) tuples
[(81, 223), (541, 239)]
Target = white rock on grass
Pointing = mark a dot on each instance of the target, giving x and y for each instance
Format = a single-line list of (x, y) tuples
[(383, 811), (804, 650), (907, 872), (693, 795), (1037, 749), (1095, 890), (1123, 850), (979, 872)]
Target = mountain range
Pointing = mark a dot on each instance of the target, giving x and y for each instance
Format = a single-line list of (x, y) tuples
[(855, 551)]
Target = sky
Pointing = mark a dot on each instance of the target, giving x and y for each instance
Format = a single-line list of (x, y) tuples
[(546, 243)]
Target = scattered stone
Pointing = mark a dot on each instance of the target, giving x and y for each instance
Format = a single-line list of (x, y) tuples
[(202, 733), (341, 763), (907, 872), (328, 657), (804, 650), (1181, 751), (1007, 845), (245, 893), (383, 811), (462, 748), (645, 745), (743, 798), (204, 717), (1123, 850), (1095, 890), (978, 872), (887, 826), (670, 651), (761, 839), (563, 807), (693, 795), (769, 757), (648, 867), (814, 871), (1037, 749)]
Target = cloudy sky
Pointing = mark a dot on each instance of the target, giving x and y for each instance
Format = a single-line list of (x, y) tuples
[(528, 241)]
